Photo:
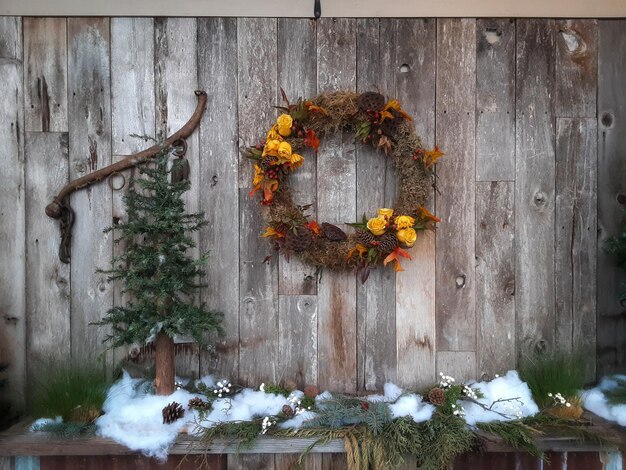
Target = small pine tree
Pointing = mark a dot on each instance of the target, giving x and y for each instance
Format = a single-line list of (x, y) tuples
[(159, 276)]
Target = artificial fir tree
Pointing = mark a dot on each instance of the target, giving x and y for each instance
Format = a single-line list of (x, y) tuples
[(159, 276)]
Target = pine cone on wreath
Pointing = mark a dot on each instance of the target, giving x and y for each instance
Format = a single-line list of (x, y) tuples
[(172, 412), (299, 241), (365, 237), (437, 396), (267, 162), (370, 100), (388, 242)]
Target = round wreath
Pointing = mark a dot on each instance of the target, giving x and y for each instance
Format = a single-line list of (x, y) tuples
[(377, 240)]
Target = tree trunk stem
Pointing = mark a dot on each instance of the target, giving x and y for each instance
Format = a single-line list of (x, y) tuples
[(164, 364)]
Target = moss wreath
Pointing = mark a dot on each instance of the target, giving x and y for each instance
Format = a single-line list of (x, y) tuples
[(377, 240)]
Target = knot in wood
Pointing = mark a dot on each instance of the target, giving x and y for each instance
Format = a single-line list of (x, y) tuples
[(540, 198), (621, 198), (541, 346), (606, 119), (509, 287), (460, 281), (573, 42), (80, 167)]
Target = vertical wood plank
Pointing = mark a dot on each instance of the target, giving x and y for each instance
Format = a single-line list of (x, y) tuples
[(297, 76), (298, 339), (495, 277), (534, 186), (89, 149), (415, 287), (45, 74), (456, 286), (334, 462), (257, 73), (132, 112), (258, 282), (375, 302), (11, 37), (495, 99), (336, 199), (249, 461), (176, 79), (217, 65), (12, 249), (132, 83), (297, 283), (48, 281), (26, 463), (576, 237), (612, 195), (576, 68), (6, 463), (459, 364)]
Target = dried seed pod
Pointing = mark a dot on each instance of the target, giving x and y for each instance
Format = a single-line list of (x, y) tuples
[(333, 233), (370, 100)]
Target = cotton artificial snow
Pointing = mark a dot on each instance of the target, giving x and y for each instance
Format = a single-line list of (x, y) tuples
[(515, 400), (244, 406), (134, 418), (413, 406), (595, 401), (298, 420), (391, 393), (207, 380)]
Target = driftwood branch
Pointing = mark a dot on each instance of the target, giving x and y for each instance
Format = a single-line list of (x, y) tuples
[(59, 208)]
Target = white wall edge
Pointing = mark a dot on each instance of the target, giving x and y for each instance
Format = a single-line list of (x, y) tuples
[(330, 8)]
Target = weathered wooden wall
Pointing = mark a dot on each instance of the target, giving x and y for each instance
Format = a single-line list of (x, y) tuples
[(531, 114)]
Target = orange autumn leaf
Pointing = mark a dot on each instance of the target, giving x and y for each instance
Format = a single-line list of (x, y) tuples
[(358, 248), (315, 109), (431, 156), (394, 104), (314, 227), (272, 232), (312, 140), (426, 215), (395, 257), (269, 187)]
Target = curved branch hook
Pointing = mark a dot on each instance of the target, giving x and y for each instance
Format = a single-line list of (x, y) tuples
[(58, 207)]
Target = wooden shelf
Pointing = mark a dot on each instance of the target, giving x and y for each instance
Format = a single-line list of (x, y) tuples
[(18, 441)]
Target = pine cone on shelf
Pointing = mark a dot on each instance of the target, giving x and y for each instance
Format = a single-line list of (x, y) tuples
[(172, 412), (288, 411), (197, 403), (437, 396)]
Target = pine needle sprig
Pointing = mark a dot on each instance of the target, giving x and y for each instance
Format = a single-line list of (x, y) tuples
[(67, 430)]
